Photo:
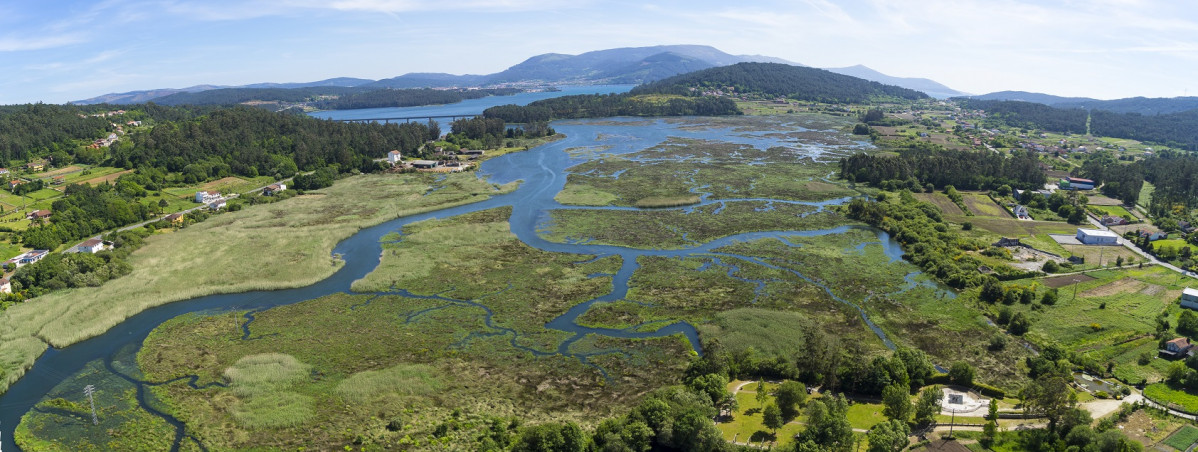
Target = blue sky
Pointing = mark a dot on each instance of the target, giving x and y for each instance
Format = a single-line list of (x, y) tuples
[(63, 50)]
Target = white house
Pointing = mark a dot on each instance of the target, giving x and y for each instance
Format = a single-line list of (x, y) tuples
[(206, 197), (1097, 237), (1189, 298), (271, 189), (1021, 212), (217, 204), (91, 246), (394, 158), (5, 285)]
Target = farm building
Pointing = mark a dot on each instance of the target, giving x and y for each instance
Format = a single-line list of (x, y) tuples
[(1076, 183), (426, 164), (1189, 298), (273, 189), (1096, 237), (394, 158), (1177, 348)]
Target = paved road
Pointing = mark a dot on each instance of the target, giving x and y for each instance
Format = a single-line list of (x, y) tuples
[(155, 219), (1135, 249)]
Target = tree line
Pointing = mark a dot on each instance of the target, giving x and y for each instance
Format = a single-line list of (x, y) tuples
[(384, 98), (608, 105), (244, 141), (920, 163)]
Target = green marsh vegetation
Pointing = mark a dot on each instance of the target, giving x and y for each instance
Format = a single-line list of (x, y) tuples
[(281, 245)]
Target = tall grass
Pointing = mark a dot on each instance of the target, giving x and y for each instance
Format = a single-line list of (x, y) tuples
[(261, 383), (264, 373), (667, 201), (275, 246), (404, 379)]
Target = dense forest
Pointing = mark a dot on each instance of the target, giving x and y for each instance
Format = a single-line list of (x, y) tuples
[(1174, 129), (606, 105), (1173, 175), (232, 96), (1118, 180), (920, 163), (780, 80), (385, 98), (246, 141), (37, 130)]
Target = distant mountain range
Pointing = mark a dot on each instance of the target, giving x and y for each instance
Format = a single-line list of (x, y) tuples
[(1141, 105), (629, 65), (929, 87)]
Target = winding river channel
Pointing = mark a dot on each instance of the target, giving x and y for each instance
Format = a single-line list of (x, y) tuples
[(543, 171)]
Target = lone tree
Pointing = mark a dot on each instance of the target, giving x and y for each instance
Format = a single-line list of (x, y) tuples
[(761, 395), (961, 373), (790, 396), (928, 405), (771, 417), (889, 436), (896, 403)]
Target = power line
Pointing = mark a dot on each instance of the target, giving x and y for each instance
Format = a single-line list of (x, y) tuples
[(89, 390)]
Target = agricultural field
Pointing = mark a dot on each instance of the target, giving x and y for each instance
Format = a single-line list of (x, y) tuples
[(1114, 211), (940, 200), (1183, 438), (285, 244), (1108, 316), (981, 205)]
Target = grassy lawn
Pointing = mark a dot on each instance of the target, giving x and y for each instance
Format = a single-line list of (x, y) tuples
[(284, 244), (1115, 211)]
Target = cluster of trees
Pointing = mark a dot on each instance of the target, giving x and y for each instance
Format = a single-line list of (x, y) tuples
[(1171, 173), (774, 80), (1071, 207), (385, 98), (605, 105), (481, 132), (86, 210), (63, 270), (926, 238), (248, 142), (1120, 181), (35, 130), (920, 163)]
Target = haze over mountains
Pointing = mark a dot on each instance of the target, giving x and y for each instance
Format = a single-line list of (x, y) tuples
[(631, 65)]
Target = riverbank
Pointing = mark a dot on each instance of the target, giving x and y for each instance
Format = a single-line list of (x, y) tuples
[(281, 245)]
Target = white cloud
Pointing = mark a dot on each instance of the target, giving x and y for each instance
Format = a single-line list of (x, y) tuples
[(13, 43)]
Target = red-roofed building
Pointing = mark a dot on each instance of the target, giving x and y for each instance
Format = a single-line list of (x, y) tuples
[(1177, 348)]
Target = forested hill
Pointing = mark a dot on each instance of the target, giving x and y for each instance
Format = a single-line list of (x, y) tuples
[(386, 98), (333, 97), (1175, 129), (780, 80), (231, 96)]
